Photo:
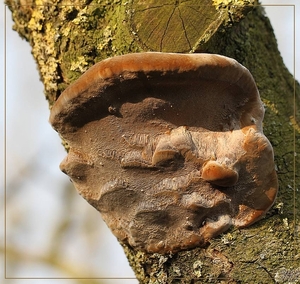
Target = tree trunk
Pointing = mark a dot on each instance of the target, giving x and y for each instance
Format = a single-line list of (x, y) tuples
[(67, 39)]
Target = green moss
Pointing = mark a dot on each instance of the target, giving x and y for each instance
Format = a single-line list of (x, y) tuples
[(66, 40)]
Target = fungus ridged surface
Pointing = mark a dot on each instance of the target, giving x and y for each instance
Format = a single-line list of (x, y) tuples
[(168, 147)]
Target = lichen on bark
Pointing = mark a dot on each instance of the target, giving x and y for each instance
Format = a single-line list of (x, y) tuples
[(67, 39)]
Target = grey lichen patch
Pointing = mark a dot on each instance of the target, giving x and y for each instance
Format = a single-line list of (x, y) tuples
[(176, 271), (206, 266), (158, 269), (197, 268), (288, 276), (149, 268), (230, 262), (136, 260), (228, 239), (271, 245), (279, 206)]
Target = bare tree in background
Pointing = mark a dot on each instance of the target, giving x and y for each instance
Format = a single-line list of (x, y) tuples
[(67, 39)]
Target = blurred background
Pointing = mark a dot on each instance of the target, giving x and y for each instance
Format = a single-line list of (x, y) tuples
[(51, 232)]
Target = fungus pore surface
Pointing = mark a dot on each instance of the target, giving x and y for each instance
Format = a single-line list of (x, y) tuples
[(168, 147)]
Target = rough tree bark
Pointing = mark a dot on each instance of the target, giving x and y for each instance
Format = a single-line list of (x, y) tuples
[(68, 38)]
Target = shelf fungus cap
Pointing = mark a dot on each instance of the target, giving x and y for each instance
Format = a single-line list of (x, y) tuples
[(168, 147)]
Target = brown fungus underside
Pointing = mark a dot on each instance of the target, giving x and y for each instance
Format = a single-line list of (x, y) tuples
[(168, 147)]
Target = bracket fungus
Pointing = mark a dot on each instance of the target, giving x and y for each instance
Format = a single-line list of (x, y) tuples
[(168, 147)]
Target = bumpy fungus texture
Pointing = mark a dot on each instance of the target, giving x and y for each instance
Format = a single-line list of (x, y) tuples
[(168, 147)]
